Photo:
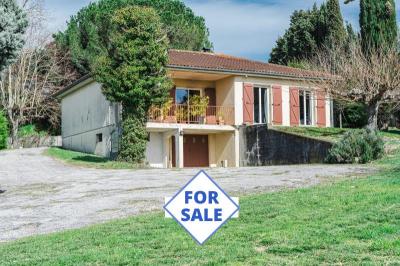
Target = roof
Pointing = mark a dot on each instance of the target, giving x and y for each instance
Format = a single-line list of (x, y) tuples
[(73, 85), (216, 62), (226, 63)]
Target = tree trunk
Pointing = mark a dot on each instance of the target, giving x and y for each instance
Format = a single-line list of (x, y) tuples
[(14, 135), (372, 112)]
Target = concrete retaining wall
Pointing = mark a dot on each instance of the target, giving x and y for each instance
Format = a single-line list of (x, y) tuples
[(38, 141), (260, 146)]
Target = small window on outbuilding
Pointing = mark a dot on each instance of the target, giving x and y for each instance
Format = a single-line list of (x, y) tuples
[(99, 138)]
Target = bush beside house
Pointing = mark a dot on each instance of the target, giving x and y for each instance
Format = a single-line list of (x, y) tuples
[(358, 146), (3, 131)]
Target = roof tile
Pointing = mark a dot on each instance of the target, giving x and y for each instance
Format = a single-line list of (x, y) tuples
[(222, 62)]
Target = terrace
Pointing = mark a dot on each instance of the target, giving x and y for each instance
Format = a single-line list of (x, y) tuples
[(192, 114)]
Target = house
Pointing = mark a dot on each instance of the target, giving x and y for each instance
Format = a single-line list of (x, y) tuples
[(240, 91)]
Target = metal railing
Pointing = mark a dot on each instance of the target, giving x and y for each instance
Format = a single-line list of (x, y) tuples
[(192, 114)]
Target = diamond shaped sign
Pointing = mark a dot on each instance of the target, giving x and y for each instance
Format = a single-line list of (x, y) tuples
[(201, 207)]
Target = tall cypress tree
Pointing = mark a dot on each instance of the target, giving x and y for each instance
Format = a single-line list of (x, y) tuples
[(334, 22), (377, 23)]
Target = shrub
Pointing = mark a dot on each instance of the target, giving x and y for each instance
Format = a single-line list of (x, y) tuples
[(30, 130), (357, 146), (133, 141), (3, 131)]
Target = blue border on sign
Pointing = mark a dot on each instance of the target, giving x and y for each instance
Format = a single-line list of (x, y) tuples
[(190, 181)]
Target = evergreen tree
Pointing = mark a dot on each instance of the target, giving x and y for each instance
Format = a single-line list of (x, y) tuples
[(377, 23), (88, 31), (309, 31), (298, 42), (279, 54), (334, 22), (3, 131), (133, 72), (13, 23)]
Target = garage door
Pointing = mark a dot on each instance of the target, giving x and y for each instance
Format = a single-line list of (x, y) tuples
[(195, 151)]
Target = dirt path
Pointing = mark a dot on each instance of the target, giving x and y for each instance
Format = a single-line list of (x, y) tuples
[(43, 195)]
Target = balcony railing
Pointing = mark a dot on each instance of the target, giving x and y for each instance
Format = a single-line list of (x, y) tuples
[(191, 114)]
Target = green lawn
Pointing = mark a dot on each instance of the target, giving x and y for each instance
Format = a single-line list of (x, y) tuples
[(87, 160), (354, 221), (331, 134)]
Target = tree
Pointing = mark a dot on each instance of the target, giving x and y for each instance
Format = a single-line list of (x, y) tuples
[(3, 131), (377, 23), (27, 85), (12, 28), (87, 32), (334, 22), (371, 78), (26, 89), (308, 32), (133, 72), (298, 42)]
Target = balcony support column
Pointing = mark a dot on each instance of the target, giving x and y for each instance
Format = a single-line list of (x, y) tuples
[(237, 148), (167, 161), (179, 148)]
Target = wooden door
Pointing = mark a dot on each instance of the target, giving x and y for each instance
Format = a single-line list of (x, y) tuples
[(195, 151)]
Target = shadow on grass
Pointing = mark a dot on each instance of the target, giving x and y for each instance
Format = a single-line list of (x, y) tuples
[(393, 131), (326, 133), (90, 159)]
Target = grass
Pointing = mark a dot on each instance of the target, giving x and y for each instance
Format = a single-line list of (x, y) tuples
[(352, 222), (331, 134), (87, 160)]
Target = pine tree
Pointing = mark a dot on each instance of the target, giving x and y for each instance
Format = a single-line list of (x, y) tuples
[(13, 23)]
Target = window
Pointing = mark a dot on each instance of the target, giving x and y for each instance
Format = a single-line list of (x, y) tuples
[(261, 105), (99, 138), (306, 107), (183, 95)]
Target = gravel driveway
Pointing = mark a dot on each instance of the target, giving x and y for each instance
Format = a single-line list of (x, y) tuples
[(44, 195)]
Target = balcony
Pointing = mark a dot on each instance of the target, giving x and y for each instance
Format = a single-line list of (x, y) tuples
[(191, 114)]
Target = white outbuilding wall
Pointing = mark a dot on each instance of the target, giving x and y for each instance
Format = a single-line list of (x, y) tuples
[(88, 120)]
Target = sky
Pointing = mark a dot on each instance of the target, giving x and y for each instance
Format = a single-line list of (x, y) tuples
[(245, 28)]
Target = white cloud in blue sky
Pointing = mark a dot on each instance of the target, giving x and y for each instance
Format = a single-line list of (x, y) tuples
[(247, 28)]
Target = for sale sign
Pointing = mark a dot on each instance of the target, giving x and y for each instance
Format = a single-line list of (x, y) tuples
[(201, 207)]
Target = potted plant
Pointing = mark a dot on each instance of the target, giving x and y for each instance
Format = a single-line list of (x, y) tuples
[(198, 107), (221, 118), (166, 109)]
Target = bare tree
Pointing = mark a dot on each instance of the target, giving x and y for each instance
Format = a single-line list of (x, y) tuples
[(371, 78), (28, 85)]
